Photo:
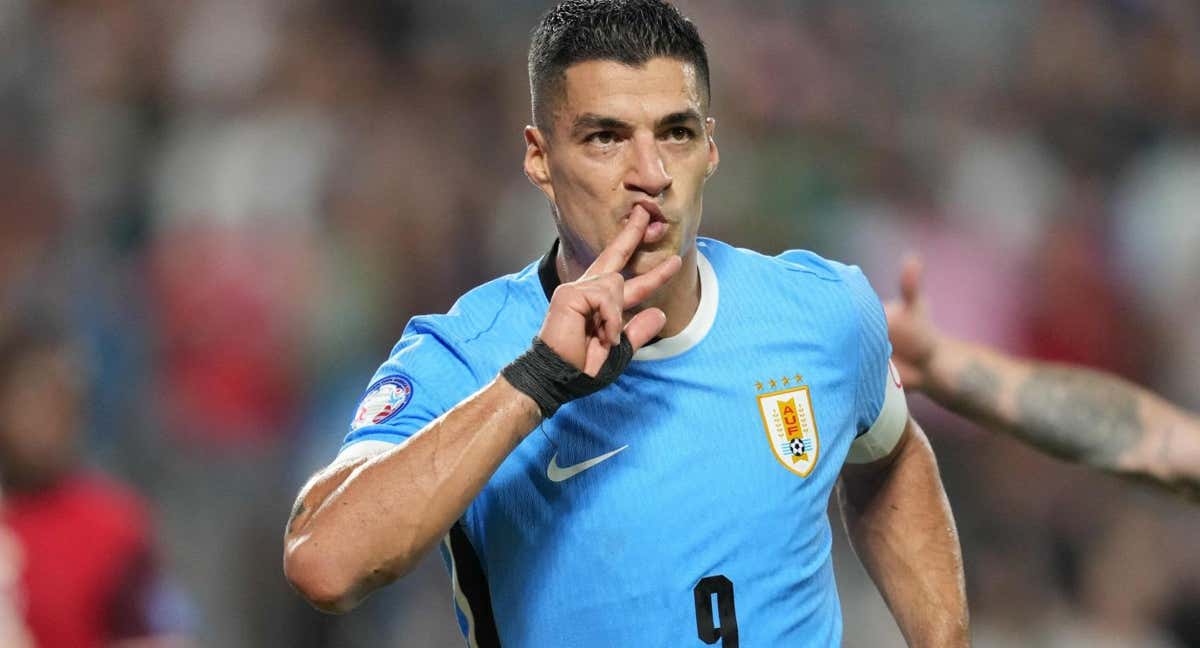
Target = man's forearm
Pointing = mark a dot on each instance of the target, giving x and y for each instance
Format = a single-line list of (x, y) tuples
[(1073, 413), (899, 522), (358, 526)]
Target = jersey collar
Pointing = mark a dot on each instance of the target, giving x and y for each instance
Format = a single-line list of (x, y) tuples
[(658, 348)]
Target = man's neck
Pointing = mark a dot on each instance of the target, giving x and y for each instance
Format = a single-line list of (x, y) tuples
[(19, 483)]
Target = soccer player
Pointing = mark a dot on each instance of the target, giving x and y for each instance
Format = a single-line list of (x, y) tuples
[(1073, 413), (655, 468)]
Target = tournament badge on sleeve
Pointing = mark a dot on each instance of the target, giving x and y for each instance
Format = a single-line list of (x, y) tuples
[(382, 401), (791, 429)]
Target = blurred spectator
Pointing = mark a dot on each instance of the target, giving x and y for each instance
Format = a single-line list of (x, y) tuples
[(1157, 241), (84, 545)]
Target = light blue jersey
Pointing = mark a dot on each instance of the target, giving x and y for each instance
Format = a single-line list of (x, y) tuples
[(683, 505)]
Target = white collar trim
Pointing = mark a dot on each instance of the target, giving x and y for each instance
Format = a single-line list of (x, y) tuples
[(702, 321)]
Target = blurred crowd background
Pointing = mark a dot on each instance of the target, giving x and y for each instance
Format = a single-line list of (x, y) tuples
[(234, 206)]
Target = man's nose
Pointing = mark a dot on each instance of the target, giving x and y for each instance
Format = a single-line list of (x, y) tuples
[(647, 172)]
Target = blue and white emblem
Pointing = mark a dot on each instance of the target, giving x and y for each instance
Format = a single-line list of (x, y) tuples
[(382, 401)]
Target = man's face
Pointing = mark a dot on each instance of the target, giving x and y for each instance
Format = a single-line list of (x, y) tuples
[(40, 412), (626, 138)]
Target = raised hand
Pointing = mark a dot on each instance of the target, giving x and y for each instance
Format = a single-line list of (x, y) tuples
[(586, 316), (913, 335)]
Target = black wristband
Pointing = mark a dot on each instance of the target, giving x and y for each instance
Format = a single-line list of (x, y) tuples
[(552, 382)]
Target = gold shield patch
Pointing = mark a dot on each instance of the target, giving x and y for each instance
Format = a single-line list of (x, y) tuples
[(791, 429)]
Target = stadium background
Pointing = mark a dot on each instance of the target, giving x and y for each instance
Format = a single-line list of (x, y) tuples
[(237, 204)]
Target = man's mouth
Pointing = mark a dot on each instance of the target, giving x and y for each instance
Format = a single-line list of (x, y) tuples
[(658, 226)]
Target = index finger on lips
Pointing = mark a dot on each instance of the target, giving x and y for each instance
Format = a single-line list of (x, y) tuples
[(617, 254), (644, 285)]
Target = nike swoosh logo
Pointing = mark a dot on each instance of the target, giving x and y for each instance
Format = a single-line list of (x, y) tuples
[(557, 474)]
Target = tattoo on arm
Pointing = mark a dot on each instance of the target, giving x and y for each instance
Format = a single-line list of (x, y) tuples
[(1078, 415), (297, 510), (978, 392)]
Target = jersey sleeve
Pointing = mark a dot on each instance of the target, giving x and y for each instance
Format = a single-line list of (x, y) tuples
[(880, 407), (424, 377)]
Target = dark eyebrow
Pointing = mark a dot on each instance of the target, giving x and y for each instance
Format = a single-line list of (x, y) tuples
[(590, 121), (679, 118)]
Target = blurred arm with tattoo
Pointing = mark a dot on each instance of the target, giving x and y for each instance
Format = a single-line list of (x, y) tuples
[(1073, 413)]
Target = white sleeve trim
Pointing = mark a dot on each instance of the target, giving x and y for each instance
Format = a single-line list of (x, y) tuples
[(879, 441), (367, 448)]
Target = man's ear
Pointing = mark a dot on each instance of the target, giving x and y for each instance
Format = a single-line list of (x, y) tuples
[(537, 165), (714, 156)]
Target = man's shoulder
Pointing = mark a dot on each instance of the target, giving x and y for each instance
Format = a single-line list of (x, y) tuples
[(497, 307), (791, 261)]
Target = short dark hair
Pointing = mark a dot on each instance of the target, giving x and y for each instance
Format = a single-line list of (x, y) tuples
[(627, 31)]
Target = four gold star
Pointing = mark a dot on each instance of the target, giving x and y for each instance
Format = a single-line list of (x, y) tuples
[(786, 380)]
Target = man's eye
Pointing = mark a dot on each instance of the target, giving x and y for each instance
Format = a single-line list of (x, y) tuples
[(604, 138), (680, 134)]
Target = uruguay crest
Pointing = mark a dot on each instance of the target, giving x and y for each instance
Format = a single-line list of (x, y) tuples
[(791, 429)]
